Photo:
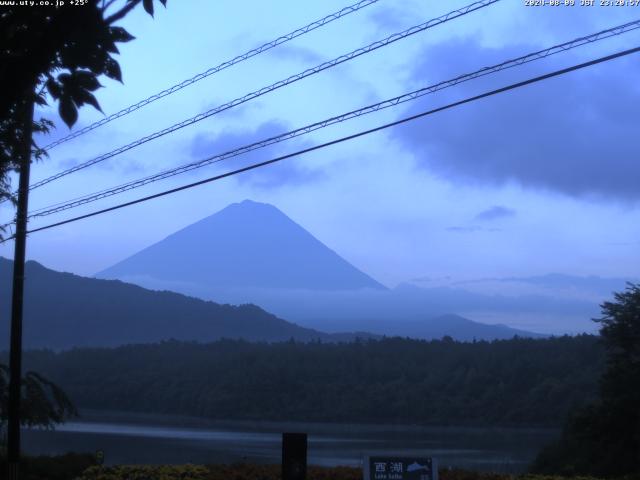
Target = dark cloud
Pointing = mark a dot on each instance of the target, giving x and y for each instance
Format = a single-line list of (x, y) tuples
[(287, 171), (575, 134), (495, 212)]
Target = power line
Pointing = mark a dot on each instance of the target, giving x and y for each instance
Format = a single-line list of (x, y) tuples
[(614, 31), (512, 86), (218, 68), (282, 83)]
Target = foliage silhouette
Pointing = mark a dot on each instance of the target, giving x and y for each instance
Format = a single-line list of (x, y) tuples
[(604, 438), (44, 404), (61, 467), (394, 380), (56, 51)]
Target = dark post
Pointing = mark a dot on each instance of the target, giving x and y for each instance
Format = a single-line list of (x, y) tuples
[(15, 355), (294, 456)]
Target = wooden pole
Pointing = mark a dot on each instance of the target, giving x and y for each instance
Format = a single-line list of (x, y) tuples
[(15, 355)]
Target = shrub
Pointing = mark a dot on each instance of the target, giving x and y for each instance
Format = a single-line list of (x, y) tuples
[(62, 467)]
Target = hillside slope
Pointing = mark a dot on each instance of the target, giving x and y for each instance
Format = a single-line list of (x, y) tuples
[(63, 310)]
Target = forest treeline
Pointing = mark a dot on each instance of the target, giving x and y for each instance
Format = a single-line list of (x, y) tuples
[(532, 382)]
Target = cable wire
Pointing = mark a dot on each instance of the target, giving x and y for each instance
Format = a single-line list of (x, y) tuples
[(218, 68), (282, 83), (563, 47), (512, 86)]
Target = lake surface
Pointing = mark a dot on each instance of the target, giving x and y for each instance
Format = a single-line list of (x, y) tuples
[(155, 439)]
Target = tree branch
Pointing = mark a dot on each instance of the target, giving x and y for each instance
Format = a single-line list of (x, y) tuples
[(120, 14), (105, 6)]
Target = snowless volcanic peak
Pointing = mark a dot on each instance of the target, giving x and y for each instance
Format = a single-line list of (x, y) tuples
[(245, 245)]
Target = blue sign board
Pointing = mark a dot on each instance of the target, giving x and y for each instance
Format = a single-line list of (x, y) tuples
[(400, 468)]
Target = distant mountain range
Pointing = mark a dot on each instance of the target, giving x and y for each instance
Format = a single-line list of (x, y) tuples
[(63, 310), (185, 287), (252, 252)]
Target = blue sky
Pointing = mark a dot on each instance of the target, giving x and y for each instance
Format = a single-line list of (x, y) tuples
[(535, 181)]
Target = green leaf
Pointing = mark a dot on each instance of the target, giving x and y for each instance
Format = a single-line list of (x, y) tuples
[(86, 80), (54, 88), (65, 79), (68, 111), (40, 100), (91, 100), (148, 6), (73, 54), (110, 47), (96, 61), (85, 97), (119, 34), (112, 70)]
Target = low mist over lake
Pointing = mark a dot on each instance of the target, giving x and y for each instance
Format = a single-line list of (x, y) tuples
[(130, 439)]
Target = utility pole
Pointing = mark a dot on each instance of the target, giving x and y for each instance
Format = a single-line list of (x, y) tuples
[(15, 355)]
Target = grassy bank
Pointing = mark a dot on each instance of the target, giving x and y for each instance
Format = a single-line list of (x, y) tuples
[(83, 467), (269, 472)]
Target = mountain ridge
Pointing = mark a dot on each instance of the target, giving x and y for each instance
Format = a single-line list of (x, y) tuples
[(64, 310), (251, 252)]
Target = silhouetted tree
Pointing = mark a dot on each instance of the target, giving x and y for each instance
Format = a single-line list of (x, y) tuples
[(44, 404), (604, 438), (520, 382), (59, 51)]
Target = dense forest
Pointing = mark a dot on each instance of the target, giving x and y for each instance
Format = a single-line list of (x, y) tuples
[(506, 382)]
